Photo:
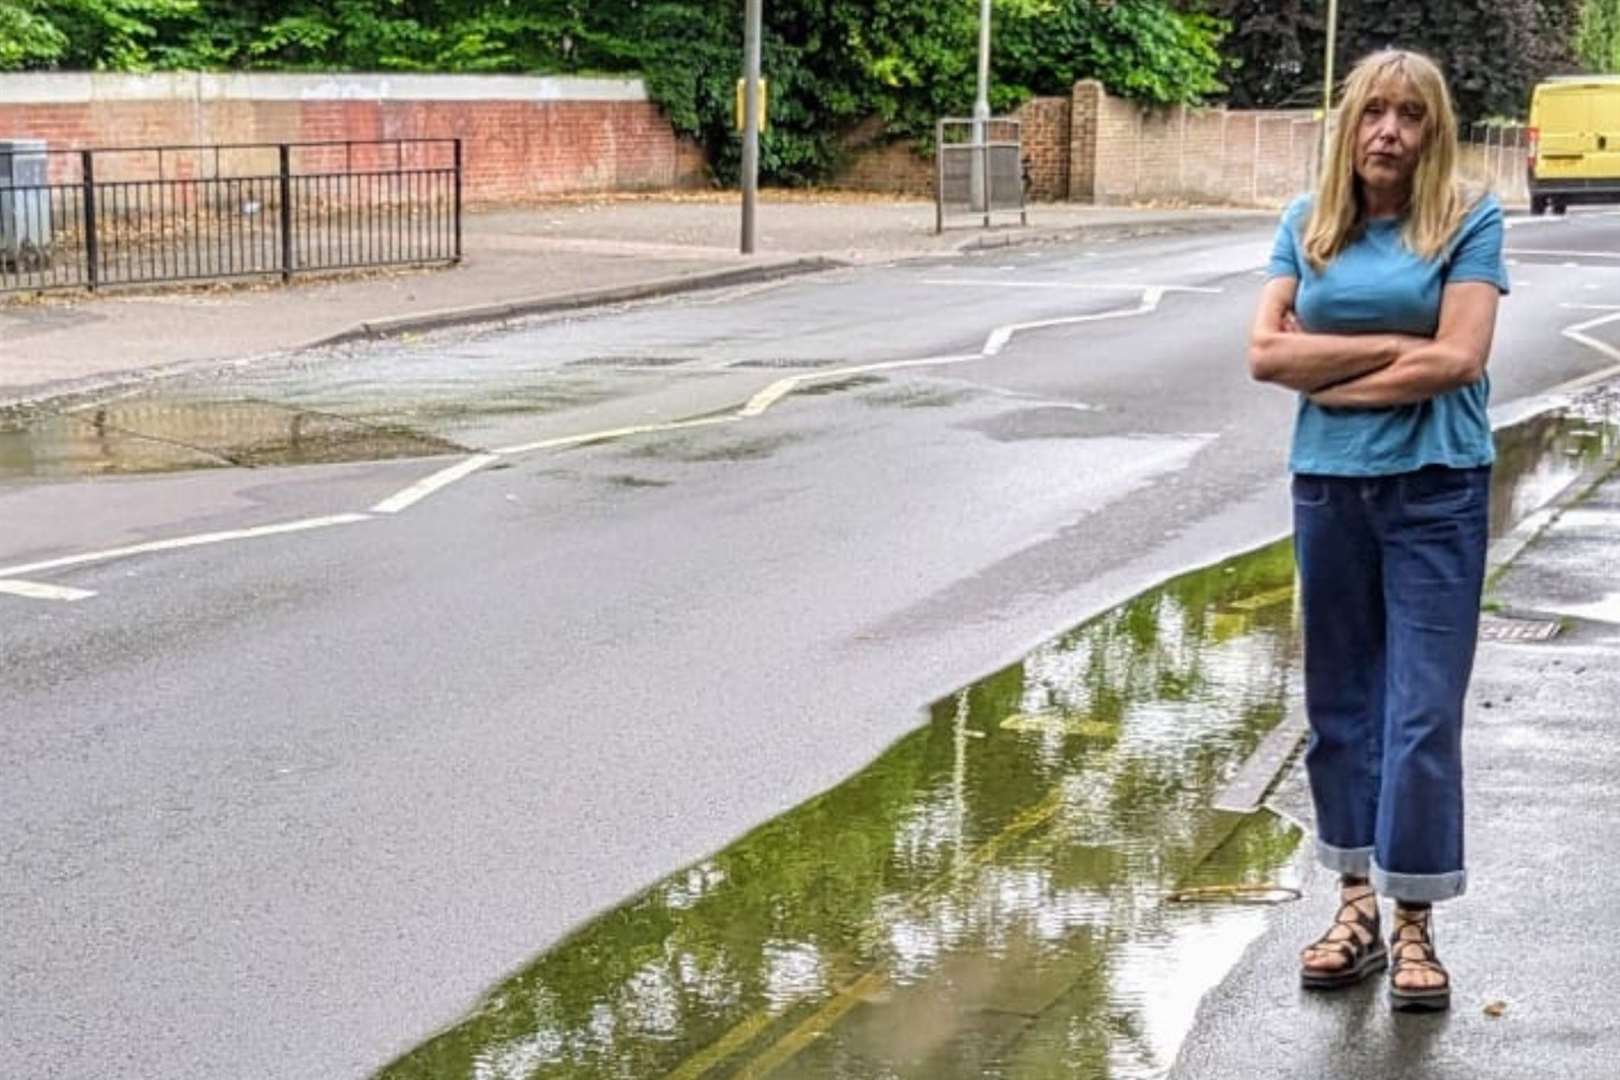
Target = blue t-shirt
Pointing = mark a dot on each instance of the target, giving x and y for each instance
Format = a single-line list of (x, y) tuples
[(1378, 285)]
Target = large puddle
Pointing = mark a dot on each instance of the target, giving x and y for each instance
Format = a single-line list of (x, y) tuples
[(1033, 884), (143, 435), (992, 897), (1540, 457)]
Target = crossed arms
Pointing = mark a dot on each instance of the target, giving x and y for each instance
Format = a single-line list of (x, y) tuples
[(1373, 370)]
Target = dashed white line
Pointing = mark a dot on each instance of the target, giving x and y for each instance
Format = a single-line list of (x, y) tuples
[(198, 540), (34, 590), (420, 490)]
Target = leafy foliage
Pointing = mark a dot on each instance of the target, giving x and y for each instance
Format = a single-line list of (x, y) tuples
[(1597, 36), (1493, 51), (1274, 52), (834, 63), (831, 63), (116, 35)]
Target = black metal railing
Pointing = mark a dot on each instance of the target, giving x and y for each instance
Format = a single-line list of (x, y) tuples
[(144, 215)]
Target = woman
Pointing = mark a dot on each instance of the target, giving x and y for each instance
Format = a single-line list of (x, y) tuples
[(1380, 310)]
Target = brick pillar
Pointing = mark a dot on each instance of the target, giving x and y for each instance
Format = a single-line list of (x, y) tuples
[(1084, 112)]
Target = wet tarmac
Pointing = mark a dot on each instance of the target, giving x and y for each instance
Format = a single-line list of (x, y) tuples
[(155, 435), (1033, 884), (999, 894), (188, 426)]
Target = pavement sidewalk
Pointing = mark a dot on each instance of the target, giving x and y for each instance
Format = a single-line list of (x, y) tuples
[(1531, 945), (518, 260)]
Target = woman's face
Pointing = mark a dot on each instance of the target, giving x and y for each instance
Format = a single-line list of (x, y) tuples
[(1389, 139)]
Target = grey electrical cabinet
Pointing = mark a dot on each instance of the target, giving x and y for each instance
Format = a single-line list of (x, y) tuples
[(25, 204)]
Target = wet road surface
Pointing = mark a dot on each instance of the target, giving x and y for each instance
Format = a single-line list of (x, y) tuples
[(284, 807)]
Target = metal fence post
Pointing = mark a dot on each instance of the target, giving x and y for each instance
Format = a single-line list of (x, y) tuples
[(984, 166), (286, 213), (458, 200), (92, 248)]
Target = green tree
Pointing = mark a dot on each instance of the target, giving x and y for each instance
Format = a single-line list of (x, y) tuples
[(116, 35), (1597, 40), (1493, 51), (832, 63), (1274, 51)]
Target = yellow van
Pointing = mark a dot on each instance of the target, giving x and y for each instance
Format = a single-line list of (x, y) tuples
[(1574, 142)]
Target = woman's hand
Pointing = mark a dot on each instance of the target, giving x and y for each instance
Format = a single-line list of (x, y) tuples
[(1281, 351)]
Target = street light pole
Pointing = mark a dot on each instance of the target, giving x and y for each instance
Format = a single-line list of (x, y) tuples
[(754, 15), (1327, 81), (981, 113)]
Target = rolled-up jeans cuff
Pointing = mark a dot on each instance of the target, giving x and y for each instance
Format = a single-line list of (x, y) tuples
[(1354, 861), (1419, 888)]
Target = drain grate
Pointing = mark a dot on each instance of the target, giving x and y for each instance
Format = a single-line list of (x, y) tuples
[(1500, 629)]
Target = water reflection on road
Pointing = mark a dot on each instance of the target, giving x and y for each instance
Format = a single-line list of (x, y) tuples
[(989, 898)]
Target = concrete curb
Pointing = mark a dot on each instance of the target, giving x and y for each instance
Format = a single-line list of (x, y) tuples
[(586, 298), (1114, 230), (39, 394)]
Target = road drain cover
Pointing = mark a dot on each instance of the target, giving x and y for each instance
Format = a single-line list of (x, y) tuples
[(1499, 629)]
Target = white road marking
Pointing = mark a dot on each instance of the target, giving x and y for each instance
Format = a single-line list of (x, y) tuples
[(34, 590), (1549, 253), (1112, 286), (197, 540), (780, 389), (1578, 333), (610, 434), (999, 338), (420, 490)]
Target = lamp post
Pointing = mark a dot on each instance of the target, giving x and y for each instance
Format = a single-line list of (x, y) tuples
[(981, 113), (1327, 80), (753, 16)]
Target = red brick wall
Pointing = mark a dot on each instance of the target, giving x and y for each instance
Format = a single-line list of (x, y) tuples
[(874, 163), (526, 137), (512, 148), (1047, 135)]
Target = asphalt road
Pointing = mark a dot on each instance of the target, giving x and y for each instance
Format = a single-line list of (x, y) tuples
[(282, 805)]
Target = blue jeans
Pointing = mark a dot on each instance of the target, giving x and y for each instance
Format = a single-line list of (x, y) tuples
[(1391, 569)]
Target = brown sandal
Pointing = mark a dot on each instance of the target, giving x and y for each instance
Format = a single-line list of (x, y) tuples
[(1360, 943), (1414, 951)]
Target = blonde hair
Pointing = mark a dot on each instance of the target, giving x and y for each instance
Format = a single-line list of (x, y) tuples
[(1438, 203)]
